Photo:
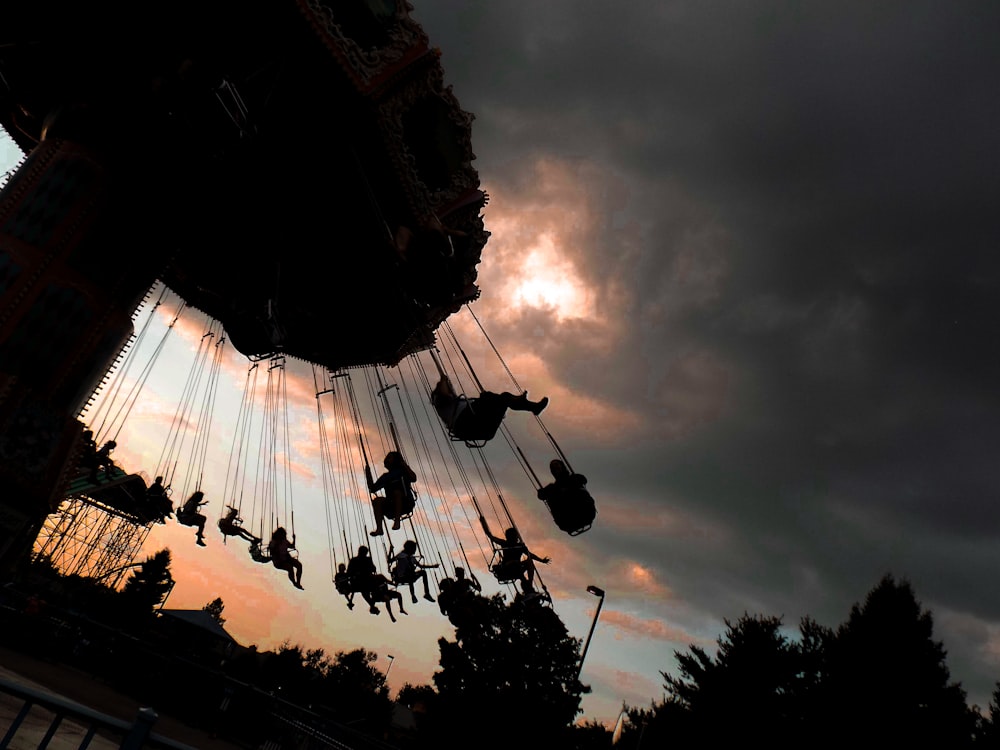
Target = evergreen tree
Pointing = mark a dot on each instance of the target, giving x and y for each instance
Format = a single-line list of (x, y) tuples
[(988, 726), (148, 585), (888, 683), (747, 691), (214, 608), (590, 735)]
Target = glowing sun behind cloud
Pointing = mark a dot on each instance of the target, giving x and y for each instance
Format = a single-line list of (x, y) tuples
[(550, 281)]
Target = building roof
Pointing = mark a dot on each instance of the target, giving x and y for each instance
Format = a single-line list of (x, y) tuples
[(199, 618)]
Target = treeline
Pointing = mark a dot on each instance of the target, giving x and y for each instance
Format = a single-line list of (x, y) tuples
[(510, 677), (878, 680)]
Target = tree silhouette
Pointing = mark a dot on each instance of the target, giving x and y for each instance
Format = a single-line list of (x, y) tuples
[(214, 608), (590, 735), (518, 662), (747, 691), (888, 682), (988, 730), (879, 680), (149, 584), (422, 700), (354, 690), (416, 697)]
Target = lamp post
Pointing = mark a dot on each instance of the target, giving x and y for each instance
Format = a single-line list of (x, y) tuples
[(596, 591), (386, 675)]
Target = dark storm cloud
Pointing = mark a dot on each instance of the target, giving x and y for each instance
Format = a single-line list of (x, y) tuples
[(812, 191)]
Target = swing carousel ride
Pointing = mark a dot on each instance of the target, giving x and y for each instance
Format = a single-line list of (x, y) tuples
[(278, 168)]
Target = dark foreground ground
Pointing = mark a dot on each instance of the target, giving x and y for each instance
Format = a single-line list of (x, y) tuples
[(80, 687)]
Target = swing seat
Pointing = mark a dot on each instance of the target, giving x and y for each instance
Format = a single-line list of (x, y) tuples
[(574, 525), (398, 579), (477, 432), (573, 511), (353, 586), (471, 443), (474, 438), (402, 516), (507, 572), (407, 504)]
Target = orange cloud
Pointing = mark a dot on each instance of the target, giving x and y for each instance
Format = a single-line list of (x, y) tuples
[(630, 626)]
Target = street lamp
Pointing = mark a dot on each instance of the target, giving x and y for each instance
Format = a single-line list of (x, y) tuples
[(386, 675), (596, 591)]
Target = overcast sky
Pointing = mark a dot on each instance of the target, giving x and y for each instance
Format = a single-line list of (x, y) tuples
[(750, 252), (781, 219)]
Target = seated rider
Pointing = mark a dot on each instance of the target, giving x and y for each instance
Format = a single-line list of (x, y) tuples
[(407, 568), (381, 592), (457, 597), (342, 582), (465, 586), (229, 525), (361, 573), (280, 550), (188, 515), (475, 419), (516, 560), (570, 503), (102, 460), (156, 496), (257, 552), (399, 498)]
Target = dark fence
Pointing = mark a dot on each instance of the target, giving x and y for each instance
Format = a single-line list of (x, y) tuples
[(41, 717)]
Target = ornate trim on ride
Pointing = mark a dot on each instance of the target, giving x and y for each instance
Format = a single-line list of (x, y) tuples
[(403, 147), (369, 69)]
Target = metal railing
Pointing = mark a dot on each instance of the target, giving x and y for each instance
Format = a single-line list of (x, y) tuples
[(61, 714)]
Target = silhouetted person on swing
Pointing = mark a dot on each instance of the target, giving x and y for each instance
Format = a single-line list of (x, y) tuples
[(399, 498), (102, 460), (280, 550), (571, 505), (257, 552), (457, 597), (342, 582), (361, 573), (156, 496), (517, 562), (475, 419), (229, 525), (381, 592), (465, 586), (407, 568), (188, 515)]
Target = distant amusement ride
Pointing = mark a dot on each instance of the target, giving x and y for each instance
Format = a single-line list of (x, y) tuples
[(297, 174)]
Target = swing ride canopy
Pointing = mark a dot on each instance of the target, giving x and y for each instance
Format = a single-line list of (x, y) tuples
[(299, 136)]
